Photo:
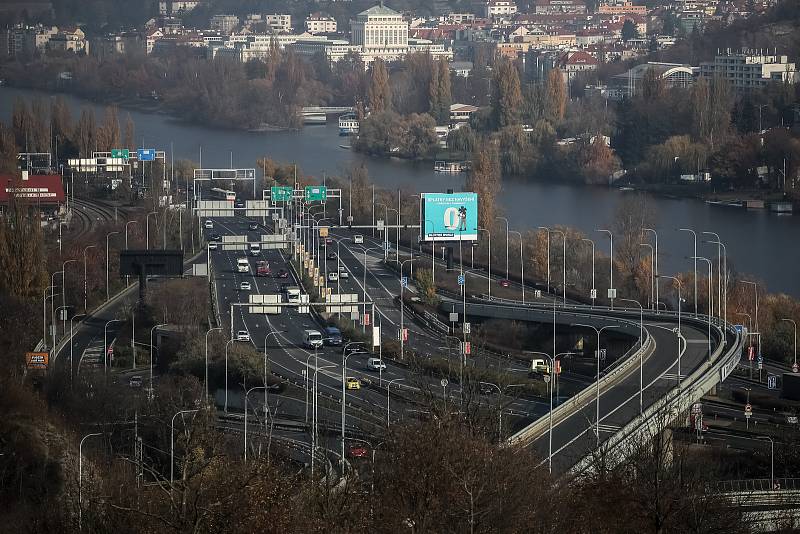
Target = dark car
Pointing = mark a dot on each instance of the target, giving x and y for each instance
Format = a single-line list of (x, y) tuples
[(253, 226), (504, 282), (283, 273), (331, 255), (332, 336), (239, 204), (215, 237)]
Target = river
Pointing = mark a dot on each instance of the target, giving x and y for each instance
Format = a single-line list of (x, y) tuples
[(759, 243)]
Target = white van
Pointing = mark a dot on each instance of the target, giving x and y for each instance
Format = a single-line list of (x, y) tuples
[(209, 224), (255, 249), (312, 339), (376, 364), (358, 239), (242, 265)]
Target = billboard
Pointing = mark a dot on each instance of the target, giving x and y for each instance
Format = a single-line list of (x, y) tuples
[(151, 262), (37, 360), (449, 216)]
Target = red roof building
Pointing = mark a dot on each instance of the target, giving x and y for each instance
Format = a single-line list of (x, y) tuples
[(42, 189)]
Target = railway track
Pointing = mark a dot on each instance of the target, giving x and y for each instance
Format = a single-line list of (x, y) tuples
[(89, 213)]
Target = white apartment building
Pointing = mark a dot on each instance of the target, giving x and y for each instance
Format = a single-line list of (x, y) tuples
[(175, 7), (279, 22), (494, 9), (224, 24), (381, 32), (749, 69), (320, 23)]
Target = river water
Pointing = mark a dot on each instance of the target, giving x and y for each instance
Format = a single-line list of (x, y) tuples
[(759, 243)]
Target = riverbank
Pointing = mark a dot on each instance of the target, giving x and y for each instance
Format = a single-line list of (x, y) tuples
[(738, 198)]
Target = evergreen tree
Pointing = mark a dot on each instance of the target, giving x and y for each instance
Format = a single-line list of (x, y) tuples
[(506, 94), (445, 92), (629, 30), (380, 93)]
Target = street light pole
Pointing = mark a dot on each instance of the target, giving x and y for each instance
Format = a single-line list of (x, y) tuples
[(563, 263), (546, 229), (227, 344), (246, 416), (345, 355), (402, 309), (652, 295), (794, 324), (594, 287), (71, 345), (694, 255), (720, 246), (641, 353), (206, 379), (710, 299), (64, 292), (105, 343), (598, 331), (388, 389), (172, 446), (610, 271), (147, 223), (507, 232), (266, 385), (488, 264), (80, 478), (521, 264), (680, 334), (126, 243), (654, 266), (84, 277), (152, 344), (107, 241)]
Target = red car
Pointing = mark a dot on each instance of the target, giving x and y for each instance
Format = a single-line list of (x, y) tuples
[(504, 282), (358, 451)]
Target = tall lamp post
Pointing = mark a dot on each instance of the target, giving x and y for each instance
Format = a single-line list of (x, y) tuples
[(694, 255), (654, 266), (653, 283), (64, 291), (147, 224), (105, 343), (80, 477), (266, 362), (546, 229), (563, 263), (611, 290), (126, 243), (71, 345), (172, 446), (402, 308), (507, 232), (598, 331), (488, 264), (345, 355), (641, 353), (388, 389), (206, 379), (228, 344), (710, 299), (678, 285), (794, 324), (521, 264), (108, 236), (152, 345), (85, 278), (246, 416), (720, 247), (722, 279), (593, 292)]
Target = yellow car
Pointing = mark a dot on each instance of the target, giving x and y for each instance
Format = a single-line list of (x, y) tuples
[(352, 383)]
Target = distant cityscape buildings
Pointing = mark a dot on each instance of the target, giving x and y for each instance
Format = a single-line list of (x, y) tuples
[(573, 36)]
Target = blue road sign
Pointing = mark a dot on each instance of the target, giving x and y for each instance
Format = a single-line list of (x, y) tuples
[(772, 382), (461, 279), (146, 154), (404, 281)]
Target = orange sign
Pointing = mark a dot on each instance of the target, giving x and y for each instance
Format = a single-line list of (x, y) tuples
[(37, 360)]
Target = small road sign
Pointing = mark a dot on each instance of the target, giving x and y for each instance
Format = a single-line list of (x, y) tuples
[(748, 410), (379, 224), (404, 281), (444, 382), (772, 382), (751, 353), (795, 368), (461, 279), (537, 293), (467, 327), (612, 293), (593, 293), (453, 317)]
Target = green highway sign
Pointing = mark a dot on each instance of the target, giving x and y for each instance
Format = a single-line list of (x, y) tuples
[(120, 153), (280, 193), (316, 193)]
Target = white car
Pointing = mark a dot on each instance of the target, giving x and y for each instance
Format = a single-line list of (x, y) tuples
[(243, 335), (343, 272), (358, 239), (209, 224), (212, 246), (244, 286), (376, 364), (333, 276)]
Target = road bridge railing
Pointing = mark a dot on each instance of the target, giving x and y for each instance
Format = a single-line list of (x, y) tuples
[(678, 399)]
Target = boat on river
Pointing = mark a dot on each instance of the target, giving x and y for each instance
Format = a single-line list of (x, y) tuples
[(450, 167)]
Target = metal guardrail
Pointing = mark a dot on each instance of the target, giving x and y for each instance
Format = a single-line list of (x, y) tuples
[(678, 399), (759, 484)]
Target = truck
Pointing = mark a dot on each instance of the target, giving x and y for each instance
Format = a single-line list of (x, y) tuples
[(242, 265), (539, 367), (262, 268), (293, 294)]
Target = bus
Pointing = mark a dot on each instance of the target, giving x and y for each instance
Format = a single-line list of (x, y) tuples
[(222, 194)]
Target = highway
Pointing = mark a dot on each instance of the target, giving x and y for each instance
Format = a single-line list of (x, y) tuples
[(573, 437)]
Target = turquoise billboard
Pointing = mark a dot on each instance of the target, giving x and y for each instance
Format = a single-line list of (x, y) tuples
[(449, 217)]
